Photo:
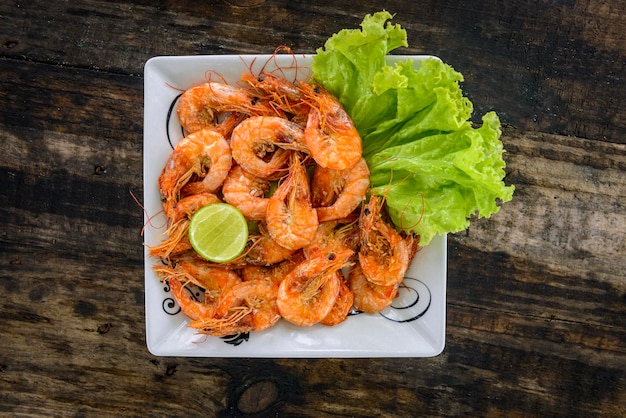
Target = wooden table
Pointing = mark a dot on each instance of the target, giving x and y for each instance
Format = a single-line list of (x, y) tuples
[(536, 294)]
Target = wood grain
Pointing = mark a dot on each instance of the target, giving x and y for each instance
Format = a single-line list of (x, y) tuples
[(536, 294), (544, 54)]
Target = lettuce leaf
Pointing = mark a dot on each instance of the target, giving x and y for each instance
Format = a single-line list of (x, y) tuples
[(433, 185), (434, 167)]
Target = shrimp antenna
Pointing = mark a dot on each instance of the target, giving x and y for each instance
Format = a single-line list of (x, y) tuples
[(174, 87), (279, 69), (250, 65), (208, 76), (419, 219), (148, 217)]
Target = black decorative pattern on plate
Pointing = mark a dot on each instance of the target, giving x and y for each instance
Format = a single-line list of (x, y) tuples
[(236, 339), (413, 301), (169, 305), (168, 119)]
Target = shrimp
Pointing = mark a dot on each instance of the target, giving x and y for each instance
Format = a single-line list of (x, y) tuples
[(328, 237), (330, 134), (336, 193), (176, 241), (188, 205), (203, 106), (342, 306), (194, 309), (262, 250), (244, 307), (182, 246), (309, 292), (369, 297), (261, 144), (274, 272), (192, 156), (246, 192), (283, 94), (213, 279), (323, 239), (332, 236), (291, 220), (383, 255)]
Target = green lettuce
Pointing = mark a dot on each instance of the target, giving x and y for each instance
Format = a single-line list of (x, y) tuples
[(434, 167)]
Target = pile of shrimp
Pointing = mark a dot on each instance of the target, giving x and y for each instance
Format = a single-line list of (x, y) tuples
[(319, 249)]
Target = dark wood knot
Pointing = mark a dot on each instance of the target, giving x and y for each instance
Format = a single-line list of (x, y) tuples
[(257, 397)]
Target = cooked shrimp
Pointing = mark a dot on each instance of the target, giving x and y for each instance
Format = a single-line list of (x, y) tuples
[(193, 155), (261, 144), (187, 206), (246, 192), (284, 95), (383, 255), (189, 269), (291, 220), (181, 247), (326, 239), (350, 235), (244, 307), (204, 106), (213, 279), (194, 309), (330, 134), (342, 306), (176, 241), (323, 239), (369, 297), (332, 236), (262, 250), (336, 193), (274, 272), (279, 88), (309, 292)]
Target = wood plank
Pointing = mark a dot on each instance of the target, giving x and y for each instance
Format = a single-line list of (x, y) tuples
[(544, 54), (561, 181), (513, 330), (536, 293)]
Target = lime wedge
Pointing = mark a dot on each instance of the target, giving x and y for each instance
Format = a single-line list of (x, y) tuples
[(218, 232)]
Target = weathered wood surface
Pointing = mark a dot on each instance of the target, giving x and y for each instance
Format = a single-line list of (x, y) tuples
[(536, 294)]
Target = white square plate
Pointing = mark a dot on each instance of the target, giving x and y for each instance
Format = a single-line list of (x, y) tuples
[(413, 327)]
